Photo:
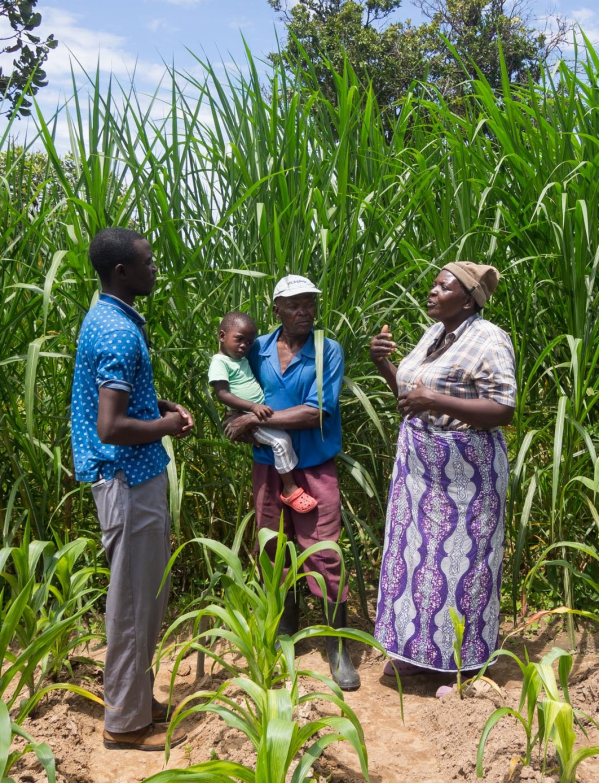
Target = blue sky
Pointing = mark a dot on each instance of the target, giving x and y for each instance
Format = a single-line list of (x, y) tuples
[(128, 34)]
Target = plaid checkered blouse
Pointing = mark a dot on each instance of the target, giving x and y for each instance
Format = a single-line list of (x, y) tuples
[(477, 360)]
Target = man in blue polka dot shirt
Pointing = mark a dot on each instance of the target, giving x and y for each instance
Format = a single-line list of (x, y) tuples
[(117, 425)]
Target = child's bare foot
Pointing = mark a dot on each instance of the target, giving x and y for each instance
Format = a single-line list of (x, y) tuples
[(289, 489)]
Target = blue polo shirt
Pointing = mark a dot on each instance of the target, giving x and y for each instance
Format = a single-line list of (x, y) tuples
[(112, 352), (297, 386)]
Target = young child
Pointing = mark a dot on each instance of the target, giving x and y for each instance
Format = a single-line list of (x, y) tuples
[(236, 387)]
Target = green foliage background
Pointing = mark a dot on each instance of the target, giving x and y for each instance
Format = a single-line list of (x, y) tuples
[(242, 182), (30, 50), (391, 54)]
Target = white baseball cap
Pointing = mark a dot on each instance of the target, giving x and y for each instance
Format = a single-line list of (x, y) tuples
[(292, 285)]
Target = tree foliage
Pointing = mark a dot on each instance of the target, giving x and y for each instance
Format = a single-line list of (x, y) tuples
[(29, 178), (323, 32), (392, 54), (26, 75), (474, 28)]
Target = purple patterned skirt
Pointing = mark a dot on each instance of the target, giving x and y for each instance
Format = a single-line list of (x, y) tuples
[(443, 545)]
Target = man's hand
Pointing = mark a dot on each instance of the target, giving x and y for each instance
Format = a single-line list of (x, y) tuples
[(177, 425), (238, 427), (262, 412), (381, 346), (417, 400), (166, 407)]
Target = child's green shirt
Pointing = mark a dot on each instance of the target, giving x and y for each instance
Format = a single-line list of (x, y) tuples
[(238, 374)]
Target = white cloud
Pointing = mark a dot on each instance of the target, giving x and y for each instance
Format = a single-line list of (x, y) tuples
[(583, 18), (179, 2), (588, 19), (583, 15), (88, 47), (240, 23), (155, 25)]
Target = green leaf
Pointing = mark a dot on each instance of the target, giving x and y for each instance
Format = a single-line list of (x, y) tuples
[(206, 772), (273, 754), (493, 719), (57, 260), (319, 363), (33, 353), (569, 771), (557, 450), (5, 737)]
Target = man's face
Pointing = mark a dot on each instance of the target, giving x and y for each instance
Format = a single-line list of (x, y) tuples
[(140, 273), (296, 313)]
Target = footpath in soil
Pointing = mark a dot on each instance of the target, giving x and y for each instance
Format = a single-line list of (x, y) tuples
[(436, 743)]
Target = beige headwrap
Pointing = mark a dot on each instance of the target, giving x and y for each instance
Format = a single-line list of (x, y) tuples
[(480, 280)]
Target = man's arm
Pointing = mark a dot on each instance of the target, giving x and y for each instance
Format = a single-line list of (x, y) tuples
[(118, 429), (300, 417)]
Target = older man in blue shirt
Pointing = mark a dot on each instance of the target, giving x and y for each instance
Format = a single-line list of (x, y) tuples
[(117, 425), (284, 363)]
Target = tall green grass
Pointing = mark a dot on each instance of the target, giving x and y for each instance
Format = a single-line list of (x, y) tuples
[(245, 178)]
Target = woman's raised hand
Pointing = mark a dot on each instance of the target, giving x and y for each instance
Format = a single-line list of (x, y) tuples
[(382, 346)]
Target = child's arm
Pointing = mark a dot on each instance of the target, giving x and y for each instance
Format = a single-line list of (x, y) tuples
[(221, 389)]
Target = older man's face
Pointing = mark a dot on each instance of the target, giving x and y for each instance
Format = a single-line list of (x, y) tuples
[(296, 313)]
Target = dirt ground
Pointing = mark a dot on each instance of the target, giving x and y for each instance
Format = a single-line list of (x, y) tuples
[(437, 743)]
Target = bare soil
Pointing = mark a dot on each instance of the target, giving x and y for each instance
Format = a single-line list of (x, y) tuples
[(436, 743)]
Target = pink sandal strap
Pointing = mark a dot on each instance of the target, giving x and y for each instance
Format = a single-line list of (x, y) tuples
[(290, 499)]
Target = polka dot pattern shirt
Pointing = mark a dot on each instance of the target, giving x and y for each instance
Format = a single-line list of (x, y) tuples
[(112, 352)]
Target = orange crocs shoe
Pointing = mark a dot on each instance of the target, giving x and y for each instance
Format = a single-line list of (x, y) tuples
[(300, 501)]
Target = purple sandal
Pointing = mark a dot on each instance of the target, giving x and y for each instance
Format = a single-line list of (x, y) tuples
[(403, 669)]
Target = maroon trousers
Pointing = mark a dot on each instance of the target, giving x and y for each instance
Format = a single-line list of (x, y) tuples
[(322, 524)]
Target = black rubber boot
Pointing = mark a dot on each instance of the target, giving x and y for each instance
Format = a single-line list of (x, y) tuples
[(342, 668), (289, 622)]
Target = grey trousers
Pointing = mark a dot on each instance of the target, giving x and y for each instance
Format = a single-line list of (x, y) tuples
[(135, 525)]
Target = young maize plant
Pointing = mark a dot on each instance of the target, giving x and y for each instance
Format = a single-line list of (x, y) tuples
[(555, 715), (8, 730), (43, 600), (246, 611), (459, 628)]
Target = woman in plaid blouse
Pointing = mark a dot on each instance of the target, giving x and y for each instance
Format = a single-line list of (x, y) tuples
[(445, 517)]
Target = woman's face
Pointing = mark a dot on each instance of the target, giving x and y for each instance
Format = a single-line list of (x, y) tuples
[(447, 299)]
